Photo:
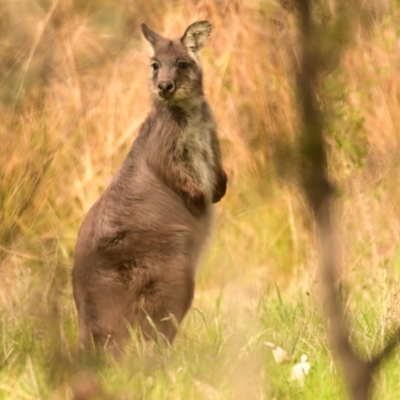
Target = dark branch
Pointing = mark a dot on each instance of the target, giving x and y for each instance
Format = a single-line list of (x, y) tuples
[(387, 351), (318, 191)]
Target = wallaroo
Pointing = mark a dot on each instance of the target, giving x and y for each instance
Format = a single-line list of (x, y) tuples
[(139, 246)]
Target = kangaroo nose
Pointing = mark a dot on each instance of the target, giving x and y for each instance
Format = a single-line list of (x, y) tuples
[(166, 87)]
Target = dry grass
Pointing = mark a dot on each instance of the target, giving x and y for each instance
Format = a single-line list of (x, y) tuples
[(73, 94)]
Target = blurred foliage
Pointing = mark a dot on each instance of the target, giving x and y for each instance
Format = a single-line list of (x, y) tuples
[(73, 93), (38, 38)]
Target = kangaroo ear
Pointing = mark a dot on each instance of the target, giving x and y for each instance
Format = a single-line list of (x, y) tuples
[(196, 35), (150, 36)]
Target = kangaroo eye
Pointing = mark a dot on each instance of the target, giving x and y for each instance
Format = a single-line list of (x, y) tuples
[(183, 64), (155, 66)]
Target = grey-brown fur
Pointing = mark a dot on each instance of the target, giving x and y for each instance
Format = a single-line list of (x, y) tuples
[(139, 245)]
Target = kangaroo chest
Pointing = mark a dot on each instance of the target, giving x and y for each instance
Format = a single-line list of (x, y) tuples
[(195, 151)]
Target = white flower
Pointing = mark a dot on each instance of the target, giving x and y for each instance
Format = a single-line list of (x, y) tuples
[(278, 353), (300, 370)]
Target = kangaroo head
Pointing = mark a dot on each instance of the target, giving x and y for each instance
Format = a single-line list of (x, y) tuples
[(176, 73)]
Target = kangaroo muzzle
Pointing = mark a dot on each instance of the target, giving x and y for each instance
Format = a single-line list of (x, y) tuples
[(166, 89)]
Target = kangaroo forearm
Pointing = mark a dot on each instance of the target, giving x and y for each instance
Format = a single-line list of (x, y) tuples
[(183, 184), (220, 182), (221, 179)]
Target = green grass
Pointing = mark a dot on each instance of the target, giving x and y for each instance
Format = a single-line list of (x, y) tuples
[(72, 97), (219, 354)]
